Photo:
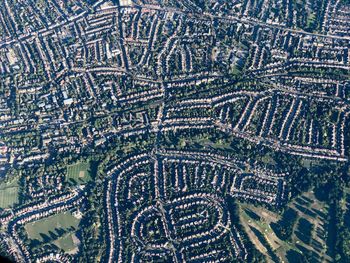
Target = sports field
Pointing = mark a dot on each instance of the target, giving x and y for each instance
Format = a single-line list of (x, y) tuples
[(58, 229), (8, 193), (79, 172), (68, 243), (52, 225)]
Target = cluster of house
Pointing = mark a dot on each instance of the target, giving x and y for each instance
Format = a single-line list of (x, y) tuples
[(48, 184), (261, 188), (34, 212), (54, 257), (86, 73), (136, 55), (199, 219), (284, 121), (169, 191)]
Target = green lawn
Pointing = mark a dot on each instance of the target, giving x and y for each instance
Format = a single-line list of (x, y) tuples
[(8, 193), (66, 243), (79, 172), (310, 19), (309, 232), (52, 227)]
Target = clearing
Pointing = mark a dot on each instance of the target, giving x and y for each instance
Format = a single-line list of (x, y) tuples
[(58, 229), (9, 193), (308, 234), (79, 173)]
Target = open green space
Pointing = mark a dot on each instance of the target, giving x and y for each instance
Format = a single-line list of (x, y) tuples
[(67, 243), (79, 172), (307, 220), (58, 230), (311, 18), (52, 227), (8, 193)]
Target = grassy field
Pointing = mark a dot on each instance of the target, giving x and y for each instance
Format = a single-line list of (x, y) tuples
[(58, 229), (79, 172), (8, 193), (308, 235), (206, 143), (52, 226), (310, 19), (67, 243)]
